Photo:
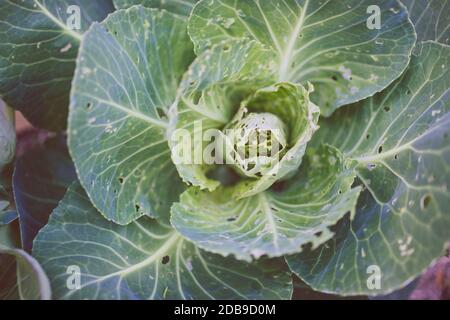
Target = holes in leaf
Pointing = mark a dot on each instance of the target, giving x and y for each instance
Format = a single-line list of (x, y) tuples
[(380, 149), (121, 180), (425, 202), (165, 260), (161, 112), (396, 157), (387, 108)]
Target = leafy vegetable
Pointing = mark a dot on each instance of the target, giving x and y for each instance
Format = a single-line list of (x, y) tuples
[(224, 149), (144, 260), (37, 55)]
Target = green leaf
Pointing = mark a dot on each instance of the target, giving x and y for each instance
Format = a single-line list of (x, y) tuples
[(21, 276), (40, 185), (210, 94), (181, 7), (430, 19), (400, 141), (127, 76), (272, 223), (7, 136), (292, 105), (37, 55), (325, 42), (143, 260)]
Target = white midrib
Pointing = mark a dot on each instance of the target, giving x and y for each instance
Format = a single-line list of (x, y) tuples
[(269, 216), (57, 22), (161, 252), (287, 56)]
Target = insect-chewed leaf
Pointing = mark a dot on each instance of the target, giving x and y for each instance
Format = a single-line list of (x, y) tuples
[(127, 76), (39, 46), (272, 223), (143, 260), (325, 42), (181, 7), (400, 141)]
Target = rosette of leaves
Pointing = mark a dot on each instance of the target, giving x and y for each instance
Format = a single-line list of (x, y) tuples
[(359, 177)]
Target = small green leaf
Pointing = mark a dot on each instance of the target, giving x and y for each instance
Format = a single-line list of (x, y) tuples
[(127, 76), (7, 136), (210, 95), (40, 185), (181, 7), (400, 141), (21, 276), (272, 223), (143, 260), (38, 52), (325, 42)]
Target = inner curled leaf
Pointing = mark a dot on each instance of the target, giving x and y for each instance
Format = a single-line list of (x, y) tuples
[(258, 142)]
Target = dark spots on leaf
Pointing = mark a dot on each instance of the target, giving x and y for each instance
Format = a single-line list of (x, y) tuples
[(396, 157), (165, 260), (89, 106), (425, 202), (371, 166), (121, 180), (340, 191), (161, 112), (368, 136), (318, 234), (380, 149), (226, 48), (231, 219), (137, 207), (334, 78), (408, 92), (387, 108)]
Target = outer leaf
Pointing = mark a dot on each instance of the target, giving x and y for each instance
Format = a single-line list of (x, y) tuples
[(431, 19), (37, 55), (7, 136), (40, 185), (210, 94), (32, 283), (271, 223), (21, 277), (400, 139), (181, 7), (127, 76), (325, 42), (144, 260)]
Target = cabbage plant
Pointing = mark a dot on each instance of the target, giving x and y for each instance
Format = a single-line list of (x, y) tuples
[(220, 149)]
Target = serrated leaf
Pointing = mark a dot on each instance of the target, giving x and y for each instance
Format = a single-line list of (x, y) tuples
[(210, 94), (430, 19), (400, 140), (126, 79), (325, 42), (181, 7), (38, 52), (143, 260), (272, 223), (40, 185)]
